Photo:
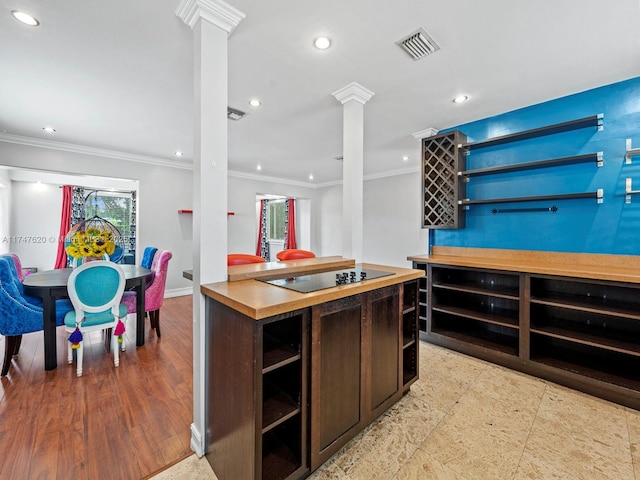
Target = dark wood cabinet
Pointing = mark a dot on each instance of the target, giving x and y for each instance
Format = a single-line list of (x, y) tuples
[(580, 332), (257, 394), (386, 336), (479, 306), (356, 346), (286, 392), (422, 296), (336, 376), (411, 296)]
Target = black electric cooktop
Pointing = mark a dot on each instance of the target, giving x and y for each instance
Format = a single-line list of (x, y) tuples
[(320, 281)]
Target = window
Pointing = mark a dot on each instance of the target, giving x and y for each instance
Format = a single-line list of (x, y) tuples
[(275, 219), (115, 207)]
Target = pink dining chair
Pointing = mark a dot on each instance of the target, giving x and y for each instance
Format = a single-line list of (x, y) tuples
[(154, 292)]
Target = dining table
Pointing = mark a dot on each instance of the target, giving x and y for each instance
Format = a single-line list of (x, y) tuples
[(52, 284)]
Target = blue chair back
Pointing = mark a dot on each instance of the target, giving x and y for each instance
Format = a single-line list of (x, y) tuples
[(14, 272), (17, 316), (147, 257)]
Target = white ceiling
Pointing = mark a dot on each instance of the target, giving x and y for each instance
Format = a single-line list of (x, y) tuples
[(117, 75)]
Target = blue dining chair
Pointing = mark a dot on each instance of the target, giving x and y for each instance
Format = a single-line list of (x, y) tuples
[(17, 263), (20, 314), (95, 289), (15, 266), (147, 257)]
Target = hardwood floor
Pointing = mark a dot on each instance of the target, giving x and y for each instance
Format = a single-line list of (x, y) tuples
[(112, 423)]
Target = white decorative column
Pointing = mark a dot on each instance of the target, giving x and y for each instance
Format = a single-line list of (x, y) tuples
[(211, 21), (353, 97)]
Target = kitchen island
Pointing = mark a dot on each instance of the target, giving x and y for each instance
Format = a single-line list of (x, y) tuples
[(292, 377)]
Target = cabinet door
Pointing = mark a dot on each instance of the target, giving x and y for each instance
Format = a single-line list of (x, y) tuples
[(383, 317), (336, 377), (233, 373)]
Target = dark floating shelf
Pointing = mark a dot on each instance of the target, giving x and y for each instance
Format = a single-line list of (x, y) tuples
[(554, 162), (592, 121), (598, 194)]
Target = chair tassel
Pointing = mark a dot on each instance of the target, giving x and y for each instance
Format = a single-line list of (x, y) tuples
[(75, 338), (119, 330)]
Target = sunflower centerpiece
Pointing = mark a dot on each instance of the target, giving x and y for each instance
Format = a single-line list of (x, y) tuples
[(93, 238)]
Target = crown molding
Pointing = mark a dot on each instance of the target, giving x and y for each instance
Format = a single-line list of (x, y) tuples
[(392, 173), (376, 176), (84, 150), (130, 157), (353, 91), (216, 12), (427, 132)]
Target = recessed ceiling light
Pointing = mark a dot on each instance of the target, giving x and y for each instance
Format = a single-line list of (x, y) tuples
[(254, 102), (405, 158), (259, 167), (178, 153), (25, 18), (322, 43), (311, 176), (49, 129), (460, 99)]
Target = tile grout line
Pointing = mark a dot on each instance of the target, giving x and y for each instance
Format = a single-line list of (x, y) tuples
[(546, 385), (633, 465)]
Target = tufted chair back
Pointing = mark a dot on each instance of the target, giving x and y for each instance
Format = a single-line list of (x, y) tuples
[(17, 263), (154, 292), (20, 314), (148, 257)]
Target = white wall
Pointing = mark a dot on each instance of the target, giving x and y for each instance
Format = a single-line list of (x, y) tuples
[(35, 223), (5, 207), (162, 192), (242, 227), (391, 230), (328, 213)]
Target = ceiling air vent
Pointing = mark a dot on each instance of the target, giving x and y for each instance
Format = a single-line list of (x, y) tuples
[(233, 114), (419, 44)]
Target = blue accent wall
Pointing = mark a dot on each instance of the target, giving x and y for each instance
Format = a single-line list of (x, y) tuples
[(579, 225)]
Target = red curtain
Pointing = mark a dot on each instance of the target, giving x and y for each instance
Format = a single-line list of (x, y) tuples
[(261, 227), (290, 241), (65, 226)]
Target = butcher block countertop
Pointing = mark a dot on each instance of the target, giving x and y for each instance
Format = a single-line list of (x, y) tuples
[(288, 268), (259, 300), (620, 268)]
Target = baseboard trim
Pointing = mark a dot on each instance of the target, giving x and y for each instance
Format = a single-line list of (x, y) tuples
[(178, 292), (196, 441)]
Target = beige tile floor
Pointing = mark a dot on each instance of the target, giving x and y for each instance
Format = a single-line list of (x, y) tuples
[(466, 419)]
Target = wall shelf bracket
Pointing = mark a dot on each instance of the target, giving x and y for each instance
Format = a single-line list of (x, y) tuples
[(630, 152), (628, 190)]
